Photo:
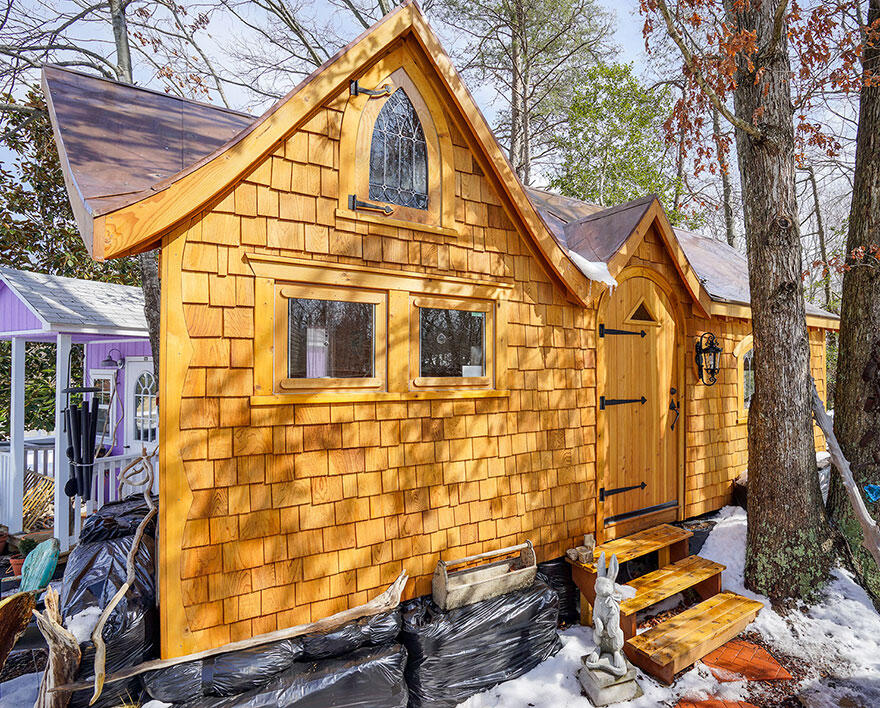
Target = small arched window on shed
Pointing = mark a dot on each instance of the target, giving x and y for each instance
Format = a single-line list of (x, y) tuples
[(399, 155), (748, 378)]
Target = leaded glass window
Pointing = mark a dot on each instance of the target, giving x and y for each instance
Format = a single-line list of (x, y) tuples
[(399, 155), (146, 408)]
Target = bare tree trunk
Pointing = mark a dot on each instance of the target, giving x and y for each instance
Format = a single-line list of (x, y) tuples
[(148, 262), (516, 95), (526, 173), (820, 230), (857, 394), (679, 172), (787, 530), (726, 196)]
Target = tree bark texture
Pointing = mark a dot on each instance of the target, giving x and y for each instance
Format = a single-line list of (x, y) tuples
[(857, 395), (726, 193), (787, 529)]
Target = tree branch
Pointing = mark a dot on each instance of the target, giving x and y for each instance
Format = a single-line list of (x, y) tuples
[(691, 64)]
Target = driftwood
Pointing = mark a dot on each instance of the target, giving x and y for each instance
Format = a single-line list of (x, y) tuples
[(15, 613), (64, 655), (142, 465), (870, 529), (388, 600)]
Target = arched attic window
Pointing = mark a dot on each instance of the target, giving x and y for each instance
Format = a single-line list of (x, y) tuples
[(399, 155)]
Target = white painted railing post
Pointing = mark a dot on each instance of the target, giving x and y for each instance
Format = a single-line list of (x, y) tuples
[(16, 435), (62, 503)]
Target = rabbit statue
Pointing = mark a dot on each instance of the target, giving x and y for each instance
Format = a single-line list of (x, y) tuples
[(607, 633)]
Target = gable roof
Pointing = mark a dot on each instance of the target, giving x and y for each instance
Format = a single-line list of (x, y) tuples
[(127, 223), (75, 305), (601, 235)]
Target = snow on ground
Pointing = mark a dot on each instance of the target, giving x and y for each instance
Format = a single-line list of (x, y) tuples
[(839, 636), (21, 691), (82, 624)]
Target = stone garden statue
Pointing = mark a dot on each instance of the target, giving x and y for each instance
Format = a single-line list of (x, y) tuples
[(606, 676), (606, 622)]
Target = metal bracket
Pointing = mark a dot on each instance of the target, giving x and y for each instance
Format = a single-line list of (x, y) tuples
[(355, 204), (603, 330), (605, 402), (355, 90), (603, 493)]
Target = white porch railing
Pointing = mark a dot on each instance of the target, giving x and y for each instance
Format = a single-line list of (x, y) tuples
[(106, 487), (6, 482)]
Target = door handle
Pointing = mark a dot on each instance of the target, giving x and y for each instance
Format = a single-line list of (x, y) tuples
[(675, 408)]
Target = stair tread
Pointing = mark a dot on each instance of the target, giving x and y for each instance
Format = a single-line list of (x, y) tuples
[(668, 581), (699, 627), (640, 544)]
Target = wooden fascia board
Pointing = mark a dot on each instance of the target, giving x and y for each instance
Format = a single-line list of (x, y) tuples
[(744, 312), (555, 257), (81, 212), (135, 227), (656, 216)]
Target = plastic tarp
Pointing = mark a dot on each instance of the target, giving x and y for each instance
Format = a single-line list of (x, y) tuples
[(454, 654), (118, 519), (94, 572), (558, 575), (236, 672), (366, 678)]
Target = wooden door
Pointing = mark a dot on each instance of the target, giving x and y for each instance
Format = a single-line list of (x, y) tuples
[(639, 391)]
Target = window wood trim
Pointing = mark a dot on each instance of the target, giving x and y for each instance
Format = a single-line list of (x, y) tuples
[(284, 292), (744, 346), (452, 382), (398, 70)]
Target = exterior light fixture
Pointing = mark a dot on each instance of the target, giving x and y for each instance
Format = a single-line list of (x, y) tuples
[(110, 363), (708, 357)]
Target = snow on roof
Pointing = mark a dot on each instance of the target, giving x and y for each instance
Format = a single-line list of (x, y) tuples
[(71, 304)]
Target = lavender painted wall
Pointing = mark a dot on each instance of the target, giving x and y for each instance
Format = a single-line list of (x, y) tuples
[(14, 314), (96, 352)]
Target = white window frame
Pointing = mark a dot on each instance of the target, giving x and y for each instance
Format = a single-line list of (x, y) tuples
[(134, 367), (109, 374)]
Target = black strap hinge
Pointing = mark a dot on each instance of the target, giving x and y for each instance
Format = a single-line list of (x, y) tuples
[(603, 330), (355, 89), (605, 402), (603, 493), (355, 204)]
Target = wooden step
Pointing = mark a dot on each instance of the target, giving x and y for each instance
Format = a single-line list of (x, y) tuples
[(691, 572), (678, 642), (670, 541)]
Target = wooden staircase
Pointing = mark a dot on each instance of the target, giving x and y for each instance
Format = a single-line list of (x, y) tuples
[(680, 641)]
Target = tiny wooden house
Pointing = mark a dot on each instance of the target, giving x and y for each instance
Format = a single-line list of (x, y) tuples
[(379, 348)]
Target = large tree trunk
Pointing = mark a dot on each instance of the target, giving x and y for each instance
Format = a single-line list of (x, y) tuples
[(787, 530), (857, 395)]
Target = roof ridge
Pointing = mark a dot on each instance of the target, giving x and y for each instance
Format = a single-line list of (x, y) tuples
[(146, 89), (632, 204)]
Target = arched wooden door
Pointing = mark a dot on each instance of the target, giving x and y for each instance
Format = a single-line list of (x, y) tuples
[(640, 456)]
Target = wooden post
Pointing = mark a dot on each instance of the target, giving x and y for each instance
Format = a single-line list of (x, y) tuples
[(62, 503), (16, 435)]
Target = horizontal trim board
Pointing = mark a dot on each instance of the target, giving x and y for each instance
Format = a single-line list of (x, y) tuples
[(291, 399)]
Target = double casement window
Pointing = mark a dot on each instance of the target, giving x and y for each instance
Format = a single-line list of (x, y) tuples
[(348, 340)]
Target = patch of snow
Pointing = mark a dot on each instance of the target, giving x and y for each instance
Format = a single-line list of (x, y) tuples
[(82, 624), (594, 270), (837, 640), (157, 704), (21, 691)]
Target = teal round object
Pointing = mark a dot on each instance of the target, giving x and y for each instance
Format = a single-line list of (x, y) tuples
[(39, 566)]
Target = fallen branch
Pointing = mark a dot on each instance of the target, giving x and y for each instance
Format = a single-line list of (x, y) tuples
[(388, 600), (870, 529), (64, 655), (127, 476)]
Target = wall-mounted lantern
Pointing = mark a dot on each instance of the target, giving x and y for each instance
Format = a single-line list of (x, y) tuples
[(708, 356), (110, 363)]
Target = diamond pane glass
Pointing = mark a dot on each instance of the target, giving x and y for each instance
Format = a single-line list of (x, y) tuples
[(399, 155), (748, 378)]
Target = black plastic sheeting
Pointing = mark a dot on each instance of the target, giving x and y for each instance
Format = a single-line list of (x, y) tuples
[(118, 519), (558, 575), (366, 678), (94, 572), (454, 654), (236, 672)]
